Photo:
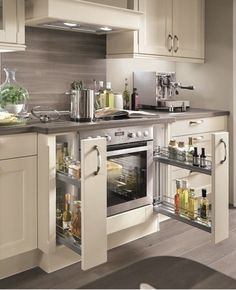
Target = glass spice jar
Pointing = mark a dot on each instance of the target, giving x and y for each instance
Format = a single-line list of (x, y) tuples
[(172, 149), (181, 152)]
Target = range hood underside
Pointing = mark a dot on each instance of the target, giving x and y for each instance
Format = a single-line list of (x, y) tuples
[(86, 16)]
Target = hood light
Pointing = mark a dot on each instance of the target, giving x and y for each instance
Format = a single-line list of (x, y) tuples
[(70, 24), (105, 28)]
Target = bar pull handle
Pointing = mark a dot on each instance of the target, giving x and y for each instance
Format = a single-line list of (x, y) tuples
[(196, 122), (198, 138), (99, 160), (176, 41), (223, 142), (170, 40)]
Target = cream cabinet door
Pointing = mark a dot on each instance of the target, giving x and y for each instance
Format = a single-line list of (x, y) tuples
[(18, 206), (188, 28), (155, 35), (8, 24), (12, 25)]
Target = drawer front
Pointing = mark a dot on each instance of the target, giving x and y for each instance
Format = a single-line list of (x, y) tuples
[(195, 126), (13, 146)]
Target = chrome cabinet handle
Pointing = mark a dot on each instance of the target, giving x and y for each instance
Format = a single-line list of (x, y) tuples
[(176, 40), (223, 142), (198, 138), (196, 122), (99, 160), (170, 41)]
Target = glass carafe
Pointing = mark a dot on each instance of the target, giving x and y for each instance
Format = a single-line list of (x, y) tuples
[(13, 96)]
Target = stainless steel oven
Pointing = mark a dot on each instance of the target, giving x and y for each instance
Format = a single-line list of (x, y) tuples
[(129, 167)]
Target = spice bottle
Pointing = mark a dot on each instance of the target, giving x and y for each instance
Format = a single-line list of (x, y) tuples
[(184, 201), (204, 207), (196, 161), (203, 158), (181, 152), (190, 150), (76, 219), (126, 96), (59, 156), (192, 204), (66, 217), (135, 102), (172, 149), (177, 196)]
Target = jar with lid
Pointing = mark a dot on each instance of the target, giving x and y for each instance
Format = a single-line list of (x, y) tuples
[(172, 149), (181, 151), (76, 220)]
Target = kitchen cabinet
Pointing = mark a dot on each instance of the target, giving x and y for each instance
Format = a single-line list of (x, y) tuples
[(91, 247), (170, 28), (100, 232), (200, 130), (218, 222), (18, 195), (12, 25)]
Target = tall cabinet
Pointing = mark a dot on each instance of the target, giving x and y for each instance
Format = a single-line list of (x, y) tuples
[(170, 28), (58, 246)]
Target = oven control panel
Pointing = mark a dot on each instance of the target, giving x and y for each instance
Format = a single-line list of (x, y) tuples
[(121, 135)]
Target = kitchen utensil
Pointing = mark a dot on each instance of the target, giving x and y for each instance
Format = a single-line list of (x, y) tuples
[(45, 116)]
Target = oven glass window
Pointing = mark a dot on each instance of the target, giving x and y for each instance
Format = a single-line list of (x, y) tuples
[(126, 177)]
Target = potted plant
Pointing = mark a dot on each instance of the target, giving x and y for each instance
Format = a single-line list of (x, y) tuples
[(12, 95)]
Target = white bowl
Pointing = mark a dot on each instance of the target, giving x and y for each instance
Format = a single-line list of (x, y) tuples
[(14, 109)]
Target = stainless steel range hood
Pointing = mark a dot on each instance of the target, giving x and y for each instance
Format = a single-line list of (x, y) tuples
[(81, 16)]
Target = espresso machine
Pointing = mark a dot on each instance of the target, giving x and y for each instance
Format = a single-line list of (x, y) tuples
[(160, 91)]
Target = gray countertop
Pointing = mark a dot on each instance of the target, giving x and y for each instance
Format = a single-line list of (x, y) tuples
[(67, 126)]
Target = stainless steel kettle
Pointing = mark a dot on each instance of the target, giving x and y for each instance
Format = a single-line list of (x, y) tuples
[(82, 105)]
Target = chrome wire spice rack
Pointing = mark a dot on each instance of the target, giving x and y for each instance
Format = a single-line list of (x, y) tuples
[(164, 204), (65, 237), (163, 155)]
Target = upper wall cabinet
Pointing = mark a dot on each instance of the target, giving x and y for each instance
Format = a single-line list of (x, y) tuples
[(12, 25), (170, 28)]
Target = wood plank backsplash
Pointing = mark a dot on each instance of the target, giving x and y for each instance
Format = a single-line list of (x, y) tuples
[(52, 60)]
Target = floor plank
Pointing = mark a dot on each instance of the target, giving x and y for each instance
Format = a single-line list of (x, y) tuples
[(174, 239)]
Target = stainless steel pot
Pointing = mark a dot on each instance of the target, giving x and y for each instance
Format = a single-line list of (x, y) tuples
[(82, 105)]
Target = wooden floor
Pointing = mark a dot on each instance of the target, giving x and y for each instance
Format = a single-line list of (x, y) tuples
[(174, 239)]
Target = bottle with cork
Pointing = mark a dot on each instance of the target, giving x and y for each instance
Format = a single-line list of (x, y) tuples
[(177, 196), (204, 207), (67, 215), (135, 100)]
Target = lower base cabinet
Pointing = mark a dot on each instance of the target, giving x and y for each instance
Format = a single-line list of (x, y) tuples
[(217, 221), (18, 206), (89, 190), (60, 192)]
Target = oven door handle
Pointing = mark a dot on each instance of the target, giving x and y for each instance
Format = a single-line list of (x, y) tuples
[(128, 151)]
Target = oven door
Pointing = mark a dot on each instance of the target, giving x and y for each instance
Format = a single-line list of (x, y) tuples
[(129, 176)]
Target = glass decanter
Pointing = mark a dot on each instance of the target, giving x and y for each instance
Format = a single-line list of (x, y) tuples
[(13, 96)]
